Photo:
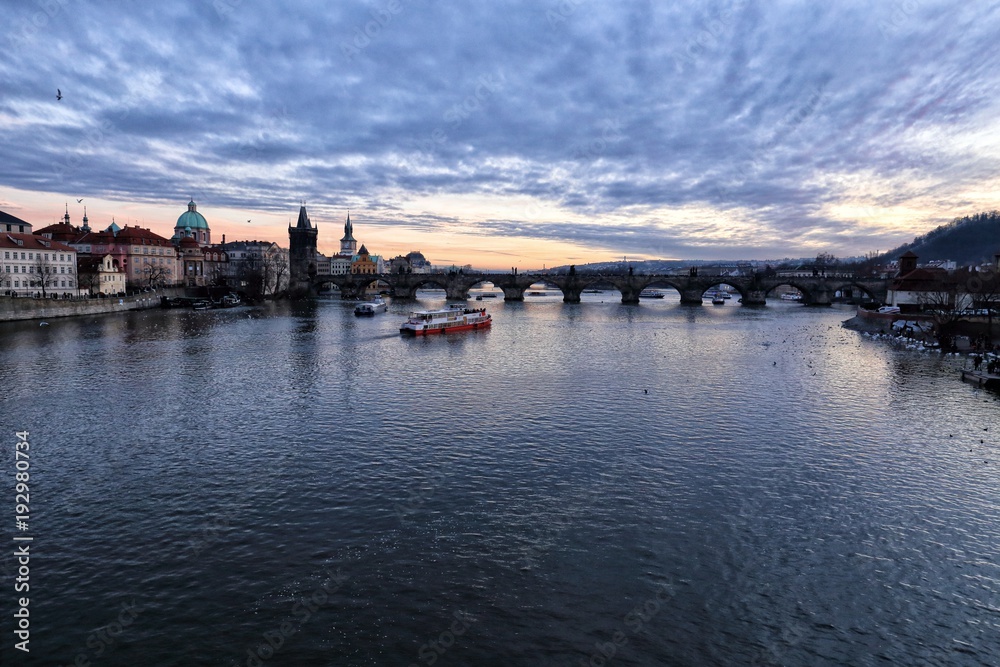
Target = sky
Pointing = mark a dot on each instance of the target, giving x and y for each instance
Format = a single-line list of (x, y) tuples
[(504, 134)]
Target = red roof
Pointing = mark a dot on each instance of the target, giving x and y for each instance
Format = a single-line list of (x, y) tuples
[(31, 242), (61, 232), (140, 236)]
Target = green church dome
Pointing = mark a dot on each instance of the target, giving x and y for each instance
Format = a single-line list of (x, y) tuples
[(191, 218)]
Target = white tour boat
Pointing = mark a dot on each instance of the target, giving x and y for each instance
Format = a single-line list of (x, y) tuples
[(448, 320)]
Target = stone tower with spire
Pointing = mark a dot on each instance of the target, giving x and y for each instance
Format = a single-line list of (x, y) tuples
[(301, 255), (348, 245)]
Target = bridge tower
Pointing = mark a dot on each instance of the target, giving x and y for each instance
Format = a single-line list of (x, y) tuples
[(301, 255)]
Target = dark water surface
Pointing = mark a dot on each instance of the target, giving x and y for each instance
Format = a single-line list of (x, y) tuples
[(785, 493)]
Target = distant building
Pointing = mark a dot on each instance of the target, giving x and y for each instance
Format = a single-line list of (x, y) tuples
[(348, 244), (301, 254), (412, 262), (193, 224), (146, 258), (100, 275), (8, 223), (35, 265), (363, 263)]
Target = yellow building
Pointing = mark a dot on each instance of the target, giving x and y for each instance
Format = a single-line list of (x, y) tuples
[(363, 262), (101, 275)]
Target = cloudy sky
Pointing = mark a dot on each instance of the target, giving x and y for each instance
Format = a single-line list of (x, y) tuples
[(506, 133)]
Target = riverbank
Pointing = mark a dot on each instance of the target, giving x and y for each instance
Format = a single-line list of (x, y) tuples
[(26, 308), (917, 328)]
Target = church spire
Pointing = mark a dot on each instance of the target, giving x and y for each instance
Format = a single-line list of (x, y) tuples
[(348, 245), (304, 221), (86, 221), (66, 217), (348, 229)]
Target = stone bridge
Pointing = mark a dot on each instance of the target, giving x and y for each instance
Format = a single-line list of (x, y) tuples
[(754, 289)]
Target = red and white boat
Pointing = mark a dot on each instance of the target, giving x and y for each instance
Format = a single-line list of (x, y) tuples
[(449, 320)]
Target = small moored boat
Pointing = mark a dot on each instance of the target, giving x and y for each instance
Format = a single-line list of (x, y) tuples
[(718, 300), (448, 320), (651, 294)]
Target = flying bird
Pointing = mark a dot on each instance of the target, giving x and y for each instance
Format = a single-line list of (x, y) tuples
[(58, 94), (78, 201), (248, 221)]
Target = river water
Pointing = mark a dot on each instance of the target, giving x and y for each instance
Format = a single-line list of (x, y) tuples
[(584, 484)]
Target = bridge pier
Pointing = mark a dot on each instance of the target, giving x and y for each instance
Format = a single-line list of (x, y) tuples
[(819, 297), (692, 297), (630, 294), (456, 293), (513, 293), (572, 294), (754, 298)]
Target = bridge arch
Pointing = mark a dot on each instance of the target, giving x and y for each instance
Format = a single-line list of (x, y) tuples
[(659, 282), (839, 287), (806, 292), (713, 284)]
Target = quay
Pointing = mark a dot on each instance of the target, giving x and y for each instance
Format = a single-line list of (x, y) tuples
[(981, 379), (29, 308)]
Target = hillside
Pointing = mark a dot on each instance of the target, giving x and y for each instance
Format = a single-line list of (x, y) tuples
[(968, 240)]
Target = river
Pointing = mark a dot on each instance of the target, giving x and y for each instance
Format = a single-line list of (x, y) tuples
[(588, 484)]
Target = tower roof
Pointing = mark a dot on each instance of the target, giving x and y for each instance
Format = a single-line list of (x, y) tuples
[(348, 229), (191, 218), (304, 222), (364, 250)]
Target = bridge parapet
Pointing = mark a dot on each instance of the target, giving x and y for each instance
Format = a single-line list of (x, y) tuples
[(817, 290)]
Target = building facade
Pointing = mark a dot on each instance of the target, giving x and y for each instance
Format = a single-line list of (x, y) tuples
[(32, 265)]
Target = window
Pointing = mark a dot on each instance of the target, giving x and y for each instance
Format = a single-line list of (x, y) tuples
[(31, 269), (22, 256), (46, 257), (62, 269), (6, 255), (31, 255)]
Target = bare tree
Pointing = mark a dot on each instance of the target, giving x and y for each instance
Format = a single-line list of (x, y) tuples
[(44, 273), (946, 306), (824, 262), (983, 289), (154, 275)]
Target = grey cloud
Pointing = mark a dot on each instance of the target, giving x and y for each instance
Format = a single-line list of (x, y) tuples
[(733, 105)]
